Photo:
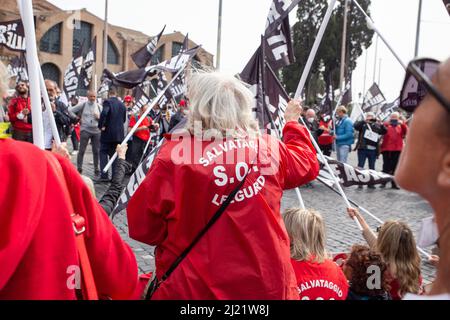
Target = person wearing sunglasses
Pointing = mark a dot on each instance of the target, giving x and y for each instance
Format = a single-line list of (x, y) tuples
[(424, 166)]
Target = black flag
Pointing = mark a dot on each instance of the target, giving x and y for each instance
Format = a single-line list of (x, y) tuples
[(144, 55), (447, 5), (347, 97), (279, 10), (326, 107), (279, 50), (162, 84), (373, 98), (387, 109), (88, 66), (12, 35), (133, 78), (72, 78), (18, 69)]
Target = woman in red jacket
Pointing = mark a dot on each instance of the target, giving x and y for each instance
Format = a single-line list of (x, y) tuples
[(38, 251), (245, 254), (392, 144)]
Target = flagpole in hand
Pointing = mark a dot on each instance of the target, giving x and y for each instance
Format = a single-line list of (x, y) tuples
[(144, 115)]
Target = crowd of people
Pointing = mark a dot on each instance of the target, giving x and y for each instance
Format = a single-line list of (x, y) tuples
[(372, 136), (230, 188)]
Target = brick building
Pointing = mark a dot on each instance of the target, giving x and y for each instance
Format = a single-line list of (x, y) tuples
[(60, 34)]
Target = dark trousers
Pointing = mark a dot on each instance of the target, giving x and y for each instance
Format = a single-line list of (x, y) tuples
[(75, 142), (138, 147), (107, 150), (390, 161), (370, 155), (326, 149), (84, 141), (22, 136)]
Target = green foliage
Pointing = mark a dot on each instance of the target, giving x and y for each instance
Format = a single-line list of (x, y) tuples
[(326, 66)]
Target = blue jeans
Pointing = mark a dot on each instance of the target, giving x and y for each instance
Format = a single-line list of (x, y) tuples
[(342, 153), (370, 155)]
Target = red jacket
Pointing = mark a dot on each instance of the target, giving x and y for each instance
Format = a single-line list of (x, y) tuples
[(16, 105), (245, 255), (142, 134), (324, 281), (325, 139), (393, 139), (37, 241)]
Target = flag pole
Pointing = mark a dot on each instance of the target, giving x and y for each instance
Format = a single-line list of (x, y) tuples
[(263, 75), (219, 36), (144, 115), (26, 10), (419, 20), (371, 25), (314, 49), (344, 48), (324, 160), (105, 38)]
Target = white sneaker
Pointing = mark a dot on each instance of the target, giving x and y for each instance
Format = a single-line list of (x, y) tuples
[(74, 152)]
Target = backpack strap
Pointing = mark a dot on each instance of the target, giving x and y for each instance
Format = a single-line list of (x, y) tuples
[(79, 228)]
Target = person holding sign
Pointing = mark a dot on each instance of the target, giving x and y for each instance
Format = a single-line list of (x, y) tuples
[(370, 134)]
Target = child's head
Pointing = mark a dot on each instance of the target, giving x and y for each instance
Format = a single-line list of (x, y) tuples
[(306, 231), (397, 246), (366, 271)]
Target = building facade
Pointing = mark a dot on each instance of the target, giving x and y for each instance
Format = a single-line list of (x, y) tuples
[(61, 35)]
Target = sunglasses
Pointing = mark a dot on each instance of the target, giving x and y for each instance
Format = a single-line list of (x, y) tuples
[(418, 84)]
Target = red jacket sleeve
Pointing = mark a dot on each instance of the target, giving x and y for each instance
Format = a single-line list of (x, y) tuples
[(148, 208), (113, 262), (298, 158), (12, 113)]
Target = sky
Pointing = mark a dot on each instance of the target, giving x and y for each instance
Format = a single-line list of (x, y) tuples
[(244, 22)]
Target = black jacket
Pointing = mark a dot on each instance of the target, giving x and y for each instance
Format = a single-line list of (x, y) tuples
[(111, 196), (112, 118), (362, 127), (314, 128), (176, 119)]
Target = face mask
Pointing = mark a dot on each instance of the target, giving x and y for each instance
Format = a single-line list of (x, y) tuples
[(310, 120), (429, 234), (394, 122)]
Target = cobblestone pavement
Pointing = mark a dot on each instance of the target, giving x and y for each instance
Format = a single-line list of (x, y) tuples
[(342, 232)]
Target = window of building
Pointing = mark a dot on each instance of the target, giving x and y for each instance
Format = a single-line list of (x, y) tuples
[(113, 53), (176, 48), (51, 71), (158, 56), (82, 38), (51, 41)]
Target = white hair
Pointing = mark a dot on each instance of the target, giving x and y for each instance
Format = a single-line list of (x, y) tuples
[(221, 105)]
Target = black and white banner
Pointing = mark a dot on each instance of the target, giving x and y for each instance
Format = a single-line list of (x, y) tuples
[(12, 35), (72, 78), (326, 106), (350, 176), (162, 84), (18, 69), (447, 5), (133, 78), (373, 98), (347, 96), (87, 69), (278, 46), (387, 109), (279, 10), (143, 56), (140, 97)]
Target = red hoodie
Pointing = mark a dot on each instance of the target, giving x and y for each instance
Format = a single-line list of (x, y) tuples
[(393, 139), (16, 105), (245, 255), (37, 241)]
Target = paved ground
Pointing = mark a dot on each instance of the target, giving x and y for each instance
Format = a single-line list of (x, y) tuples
[(342, 232)]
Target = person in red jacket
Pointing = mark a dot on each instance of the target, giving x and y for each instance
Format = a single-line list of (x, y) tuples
[(18, 111), (326, 139), (318, 277), (245, 254), (140, 137), (392, 145)]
